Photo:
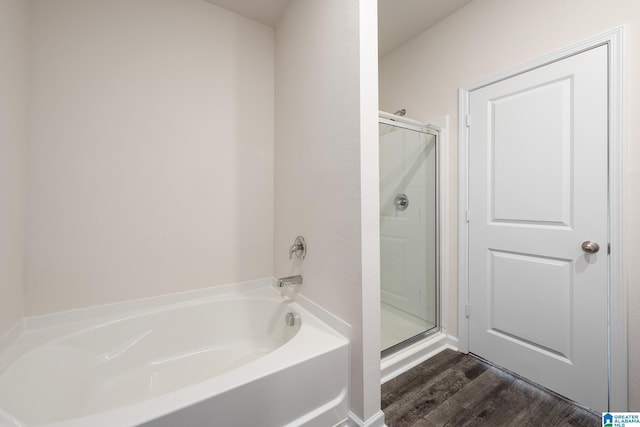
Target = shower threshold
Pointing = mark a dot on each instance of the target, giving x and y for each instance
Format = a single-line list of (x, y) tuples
[(407, 357)]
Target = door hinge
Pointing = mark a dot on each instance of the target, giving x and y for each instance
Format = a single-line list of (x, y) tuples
[(608, 248), (468, 120), (468, 215), (466, 310)]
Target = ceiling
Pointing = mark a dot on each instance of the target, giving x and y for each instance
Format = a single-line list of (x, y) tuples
[(398, 20), (401, 20), (264, 11)]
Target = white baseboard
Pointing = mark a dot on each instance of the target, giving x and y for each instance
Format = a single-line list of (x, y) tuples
[(453, 343), (377, 420)]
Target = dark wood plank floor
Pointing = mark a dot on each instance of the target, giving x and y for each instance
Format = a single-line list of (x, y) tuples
[(455, 389)]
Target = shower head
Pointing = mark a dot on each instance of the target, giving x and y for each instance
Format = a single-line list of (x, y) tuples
[(400, 112)]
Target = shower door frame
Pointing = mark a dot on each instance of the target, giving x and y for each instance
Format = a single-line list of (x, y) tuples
[(437, 133)]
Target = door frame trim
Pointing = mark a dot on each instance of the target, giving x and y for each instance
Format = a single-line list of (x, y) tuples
[(617, 306)]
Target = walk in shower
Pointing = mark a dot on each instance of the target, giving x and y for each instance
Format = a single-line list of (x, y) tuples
[(408, 231)]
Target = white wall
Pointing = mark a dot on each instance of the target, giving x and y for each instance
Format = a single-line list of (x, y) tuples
[(318, 190), (13, 139), (151, 150), (489, 36)]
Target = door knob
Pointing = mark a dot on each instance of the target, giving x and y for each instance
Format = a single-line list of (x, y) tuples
[(590, 247)]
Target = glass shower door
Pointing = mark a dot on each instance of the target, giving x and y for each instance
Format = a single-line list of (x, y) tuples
[(408, 234)]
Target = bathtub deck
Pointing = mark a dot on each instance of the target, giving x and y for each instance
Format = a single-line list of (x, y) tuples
[(460, 390)]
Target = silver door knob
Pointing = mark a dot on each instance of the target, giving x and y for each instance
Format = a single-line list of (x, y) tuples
[(590, 247)]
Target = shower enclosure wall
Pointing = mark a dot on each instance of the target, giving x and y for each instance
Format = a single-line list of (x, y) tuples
[(408, 231)]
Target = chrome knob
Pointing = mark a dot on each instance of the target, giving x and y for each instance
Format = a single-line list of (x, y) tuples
[(590, 247), (290, 319), (401, 202)]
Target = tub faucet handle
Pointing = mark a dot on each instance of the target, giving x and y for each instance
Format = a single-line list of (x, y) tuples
[(299, 248)]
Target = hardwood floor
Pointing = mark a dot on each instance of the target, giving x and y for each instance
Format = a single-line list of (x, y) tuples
[(455, 389)]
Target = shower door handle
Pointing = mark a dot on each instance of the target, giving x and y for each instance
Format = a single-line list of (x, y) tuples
[(401, 202)]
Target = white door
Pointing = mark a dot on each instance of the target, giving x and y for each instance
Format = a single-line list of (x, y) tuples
[(537, 191)]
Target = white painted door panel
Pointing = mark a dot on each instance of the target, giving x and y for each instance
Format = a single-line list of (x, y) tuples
[(537, 190)]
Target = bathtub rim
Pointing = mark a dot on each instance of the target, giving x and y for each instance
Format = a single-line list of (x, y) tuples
[(97, 314)]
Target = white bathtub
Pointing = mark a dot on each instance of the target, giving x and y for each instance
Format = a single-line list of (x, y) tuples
[(224, 359)]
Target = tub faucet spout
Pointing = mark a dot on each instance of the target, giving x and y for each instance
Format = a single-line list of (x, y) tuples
[(291, 280)]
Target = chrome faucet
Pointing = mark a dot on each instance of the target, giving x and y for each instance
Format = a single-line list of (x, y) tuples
[(291, 280)]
